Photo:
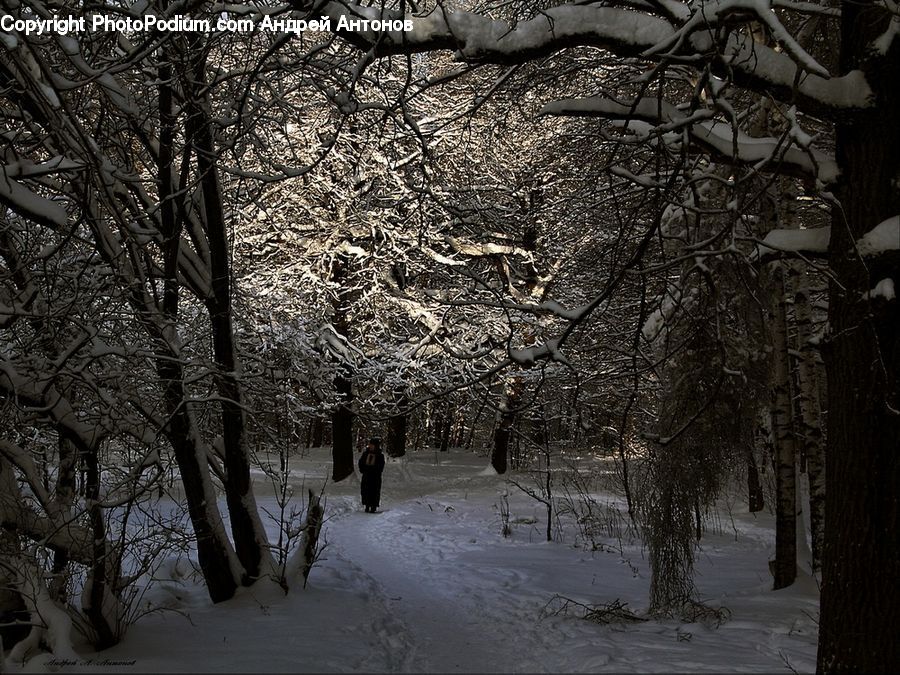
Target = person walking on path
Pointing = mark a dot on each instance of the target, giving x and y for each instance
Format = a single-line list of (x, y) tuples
[(371, 465)]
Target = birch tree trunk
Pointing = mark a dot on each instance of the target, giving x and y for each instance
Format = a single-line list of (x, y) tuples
[(812, 446), (784, 567)]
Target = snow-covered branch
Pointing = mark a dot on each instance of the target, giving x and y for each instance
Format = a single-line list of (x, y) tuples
[(787, 73), (717, 137), (882, 239)]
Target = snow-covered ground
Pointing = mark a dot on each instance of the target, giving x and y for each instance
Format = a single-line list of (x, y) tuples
[(429, 584)]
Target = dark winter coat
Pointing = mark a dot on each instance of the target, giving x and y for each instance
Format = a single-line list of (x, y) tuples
[(371, 464)]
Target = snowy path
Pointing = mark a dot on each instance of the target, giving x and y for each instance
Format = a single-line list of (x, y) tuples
[(430, 585), (436, 608), (446, 593), (424, 623)]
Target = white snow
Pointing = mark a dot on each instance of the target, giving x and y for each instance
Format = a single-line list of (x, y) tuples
[(528, 355), (723, 139), (883, 42), (883, 289), (658, 321), (430, 585), (714, 11), (883, 237), (625, 31), (795, 241), (851, 90), (59, 624), (482, 248), (717, 135), (27, 203), (644, 180)]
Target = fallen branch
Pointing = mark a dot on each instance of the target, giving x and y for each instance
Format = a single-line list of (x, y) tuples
[(613, 612)]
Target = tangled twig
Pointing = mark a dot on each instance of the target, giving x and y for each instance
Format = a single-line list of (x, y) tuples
[(613, 612)]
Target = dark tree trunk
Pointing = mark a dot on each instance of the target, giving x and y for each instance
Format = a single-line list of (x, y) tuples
[(446, 428), (396, 435), (246, 527), (342, 430), (474, 423), (213, 548), (754, 487), (503, 434), (698, 520), (785, 566), (860, 601), (65, 498), (458, 432), (102, 573), (316, 432), (315, 514), (435, 423), (342, 416), (396, 438), (501, 443)]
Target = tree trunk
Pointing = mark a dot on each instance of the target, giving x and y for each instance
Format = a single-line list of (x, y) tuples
[(396, 438), (812, 448), (785, 566), (396, 435), (250, 537), (221, 570), (99, 597), (505, 426), (342, 430), (860, 601), (309, 543), (471, 436), (316, 432), (435, 423), (501, 442), (67, 451), (667, 517), (446, 427), (756, 501), (64, 499), (342, 416)]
